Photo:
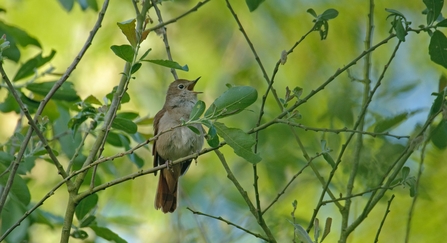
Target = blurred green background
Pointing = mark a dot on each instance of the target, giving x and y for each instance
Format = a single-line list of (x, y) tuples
[(209, 42)]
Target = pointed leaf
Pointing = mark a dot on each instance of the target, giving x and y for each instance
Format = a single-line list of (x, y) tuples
[(439, 135), (128, 29), (253, 4), (312, 12), (212, 139), (433, 9), (107, 234), (390, 122), (240, 141), (329, 14), (30, 66), (169, 64), (66, 92)]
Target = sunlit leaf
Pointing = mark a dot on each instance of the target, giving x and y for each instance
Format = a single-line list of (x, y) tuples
[(232, 101), (128, 29), (169, 64), (328, 14)]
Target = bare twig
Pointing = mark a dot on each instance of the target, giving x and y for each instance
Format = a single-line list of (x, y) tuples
[(165, 37), (383, 219), (229, 223)]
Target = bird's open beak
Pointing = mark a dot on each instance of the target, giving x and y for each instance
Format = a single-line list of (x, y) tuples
[(191, 86)]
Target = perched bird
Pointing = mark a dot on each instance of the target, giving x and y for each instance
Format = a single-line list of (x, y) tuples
[(175, 144)]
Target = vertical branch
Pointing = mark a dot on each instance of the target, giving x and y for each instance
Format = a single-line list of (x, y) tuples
[(244, 195), (164, 30), (413, 202), (387, 211), (345, 212)]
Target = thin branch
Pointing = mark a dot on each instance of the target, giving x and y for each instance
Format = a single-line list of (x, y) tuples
[(416, 196), (345, 145), (165, 36), (290, 183), (337, 131), (244, 195), (229, 223), (195, 8), (383, 219)]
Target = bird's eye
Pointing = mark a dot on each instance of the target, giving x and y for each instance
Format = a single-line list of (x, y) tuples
[(181, 86)]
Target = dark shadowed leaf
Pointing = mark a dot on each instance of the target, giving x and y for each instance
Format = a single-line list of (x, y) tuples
[(79, 234), (125, 52), (433, 9), (85, 206), (135, 67), (439, 135), (66, 92), (232, 101), (87, 221), (124, 125), (139, 162), (16, 37), (197, 110), (312, 12), (390, 122), (438, 48), (30, 66), (240, 141), (253, 4), (212, 139)]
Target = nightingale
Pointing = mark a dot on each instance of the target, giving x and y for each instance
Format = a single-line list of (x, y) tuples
[(175, 144)]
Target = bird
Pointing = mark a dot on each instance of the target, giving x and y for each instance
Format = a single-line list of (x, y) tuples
[(177, 143)]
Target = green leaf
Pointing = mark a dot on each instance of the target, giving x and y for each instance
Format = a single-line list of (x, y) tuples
[(85, 206), (65, 93), (434, 9), (197, 110), (439, 135), (135, 68), (240, 141), (442, 23), (438, 48), (302, 234), (127, 115), (390, 122), (93, 5), (92, 100), (139, 162), (169, 64), (29, 67), (67, 4), (312, 12), (124, 125), (232, 101), (212, 139), (19, 189), (87, 221), (128, 29), (124, 52), (124, 99), (400, 30), (437, 103), (405, 172), (329, 159), (329, 14), (79, 234), (253, 4), (145, 54), (394, 12), (107, 234), (114, 139), (9, 104), (16, 37)]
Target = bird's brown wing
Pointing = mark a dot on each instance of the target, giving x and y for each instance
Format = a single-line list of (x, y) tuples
[(157, 159)]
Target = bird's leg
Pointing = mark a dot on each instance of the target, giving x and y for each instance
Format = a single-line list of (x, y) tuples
[(169, 165)]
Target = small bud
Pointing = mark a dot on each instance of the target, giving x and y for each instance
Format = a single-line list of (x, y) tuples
[(283, 57)]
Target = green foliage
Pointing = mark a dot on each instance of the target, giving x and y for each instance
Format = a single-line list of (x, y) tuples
[(16, 37), (231, 102), (253, 4), (169, 64), (438, 48)]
